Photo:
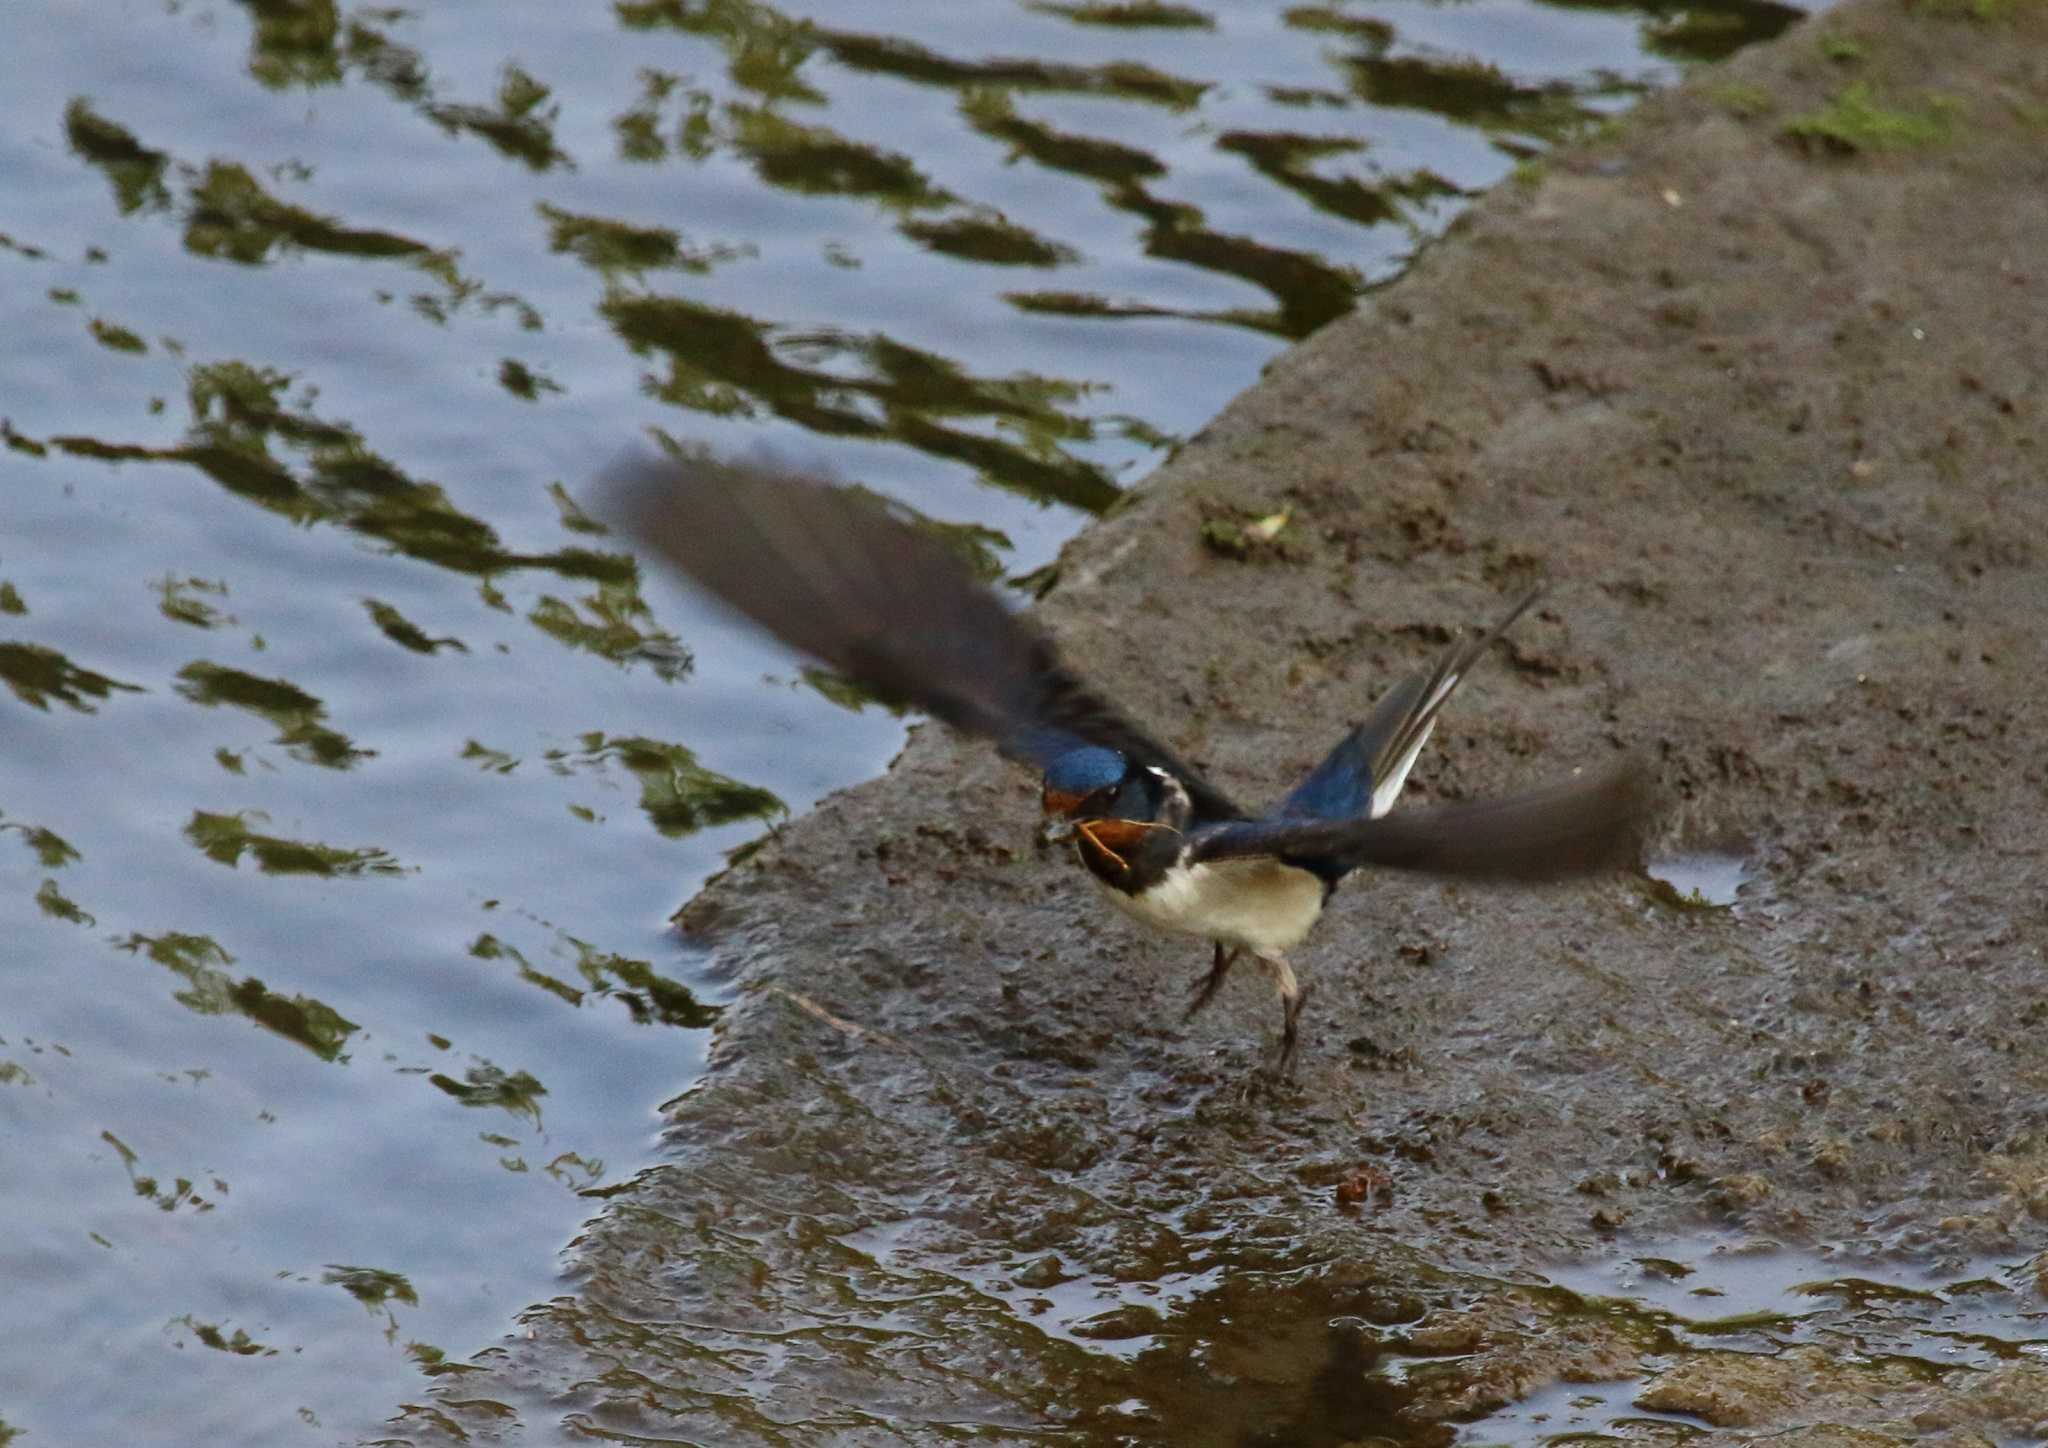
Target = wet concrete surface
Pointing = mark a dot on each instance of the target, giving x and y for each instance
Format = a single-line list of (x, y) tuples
[(1770, 411)]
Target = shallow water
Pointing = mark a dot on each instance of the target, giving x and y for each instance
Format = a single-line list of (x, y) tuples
[(1702, 880), (1761, 1300), (351, 769)]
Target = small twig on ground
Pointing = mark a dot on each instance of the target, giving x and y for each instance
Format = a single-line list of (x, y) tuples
[(838, 1023)]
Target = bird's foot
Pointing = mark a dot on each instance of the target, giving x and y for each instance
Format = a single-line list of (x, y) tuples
[(1273, 1079), (1206, 991), (1292, 996), (1290, 1030)]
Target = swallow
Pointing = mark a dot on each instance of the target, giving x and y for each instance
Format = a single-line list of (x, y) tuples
[(836, 576)]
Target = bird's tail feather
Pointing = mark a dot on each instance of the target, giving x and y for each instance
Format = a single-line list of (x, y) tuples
[(1363, 775), (1583, 825)]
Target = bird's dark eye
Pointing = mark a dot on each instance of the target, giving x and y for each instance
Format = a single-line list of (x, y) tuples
[(1137, 798)]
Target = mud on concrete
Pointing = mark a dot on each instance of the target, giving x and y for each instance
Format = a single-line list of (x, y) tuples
[(1759, 382)]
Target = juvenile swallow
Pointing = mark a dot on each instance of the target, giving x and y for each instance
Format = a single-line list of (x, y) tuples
[(837, 577)]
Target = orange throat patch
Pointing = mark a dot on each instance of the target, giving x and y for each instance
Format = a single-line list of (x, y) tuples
[(1113, 838)]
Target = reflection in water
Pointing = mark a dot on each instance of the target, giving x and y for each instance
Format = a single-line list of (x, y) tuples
[(134, 170), (296, 713), (1729, 1332), (907, 60), (182, 603), (1470, 92), (678, 795), (374, 1287), (36, 676), (1289, 159), (397, 287), (238, 410), (520, 126), (213, 1335), (487, 1085), (231, 217), (1137, 15), (615, 624), (52, 850), (308, 45), (813, 161), (1701, 879), (726, 361), (1307, 290), (225, 838), (1715, 31), (210, 990), (649, 997), (729, 365), (407, 634), (293, 44), (53, 902), (990, 240), (607, 245), (164, 1196)]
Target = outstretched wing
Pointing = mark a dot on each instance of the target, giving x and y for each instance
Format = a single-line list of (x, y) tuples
[(1566, 829), (1364, 774), (834, 576)]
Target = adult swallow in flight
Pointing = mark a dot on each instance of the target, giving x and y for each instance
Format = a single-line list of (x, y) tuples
[(835, 576)]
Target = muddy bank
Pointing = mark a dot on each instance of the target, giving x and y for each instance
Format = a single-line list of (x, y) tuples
[(1760, 382)]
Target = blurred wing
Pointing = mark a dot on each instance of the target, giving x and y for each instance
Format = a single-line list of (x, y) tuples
[(834, 576), (1567, 829), (1364, 774)]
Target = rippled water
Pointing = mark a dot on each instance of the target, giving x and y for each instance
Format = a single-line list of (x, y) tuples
[(350, 771), (1755, 1306)]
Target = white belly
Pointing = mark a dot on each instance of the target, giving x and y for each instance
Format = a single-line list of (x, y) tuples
[(1262, 905)]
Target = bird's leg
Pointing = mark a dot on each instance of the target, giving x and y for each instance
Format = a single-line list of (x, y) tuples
[(1206, 991), (1289, 1036), (1293, 995)]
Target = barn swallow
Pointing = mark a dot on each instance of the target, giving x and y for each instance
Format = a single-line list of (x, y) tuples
[(835, 576)]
